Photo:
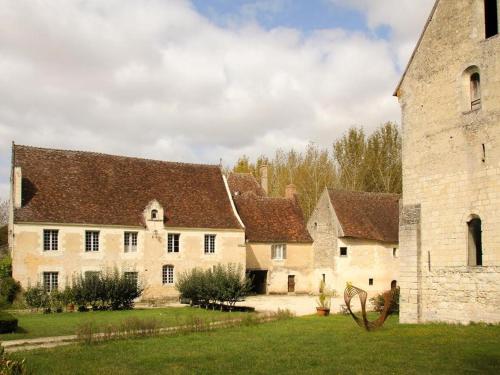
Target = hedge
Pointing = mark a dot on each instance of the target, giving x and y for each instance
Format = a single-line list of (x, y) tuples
[(8, 323)]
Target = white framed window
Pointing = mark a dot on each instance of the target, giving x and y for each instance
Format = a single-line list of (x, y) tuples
[(50, 281), (91, 240), (278, 251), (130, 242), (167, 274), (173, 242), (209, 243), (50, 239), (132, 275)]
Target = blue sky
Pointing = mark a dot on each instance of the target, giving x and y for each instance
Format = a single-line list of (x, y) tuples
[(202, 80)]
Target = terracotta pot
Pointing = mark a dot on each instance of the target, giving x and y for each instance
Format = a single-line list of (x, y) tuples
[(70, 307), (322, 311)]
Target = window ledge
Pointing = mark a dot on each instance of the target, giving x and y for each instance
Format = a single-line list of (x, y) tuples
[(471, 111)]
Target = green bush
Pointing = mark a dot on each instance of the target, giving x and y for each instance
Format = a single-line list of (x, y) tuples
[(5, 267), (9, 289), (221, 284), (378, 302), (111, 290), (37, 298), (8, 323)]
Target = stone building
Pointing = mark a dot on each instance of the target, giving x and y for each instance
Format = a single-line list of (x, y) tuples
[(278, 246), (356, 240), (78, 212), (450, 219)]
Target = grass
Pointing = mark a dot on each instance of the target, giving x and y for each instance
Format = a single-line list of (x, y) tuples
[(307, 345), (33, 325)]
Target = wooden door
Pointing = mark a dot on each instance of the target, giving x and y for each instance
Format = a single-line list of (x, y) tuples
[(291, 283)]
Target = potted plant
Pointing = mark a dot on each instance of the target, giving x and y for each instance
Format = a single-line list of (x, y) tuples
[(324, 300)]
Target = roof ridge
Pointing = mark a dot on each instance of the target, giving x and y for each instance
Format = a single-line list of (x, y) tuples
[(116, 156)]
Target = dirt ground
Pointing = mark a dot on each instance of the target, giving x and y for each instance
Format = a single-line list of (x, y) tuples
[(300, 305)]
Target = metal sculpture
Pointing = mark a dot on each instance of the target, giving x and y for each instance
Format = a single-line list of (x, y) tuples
[(351, 291)]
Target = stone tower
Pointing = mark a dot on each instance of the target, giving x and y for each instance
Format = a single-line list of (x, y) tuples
[(450, 211)]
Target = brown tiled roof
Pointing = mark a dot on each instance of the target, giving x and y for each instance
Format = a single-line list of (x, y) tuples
[(271, 219), (240, 183), (373, 216), (90, 188)]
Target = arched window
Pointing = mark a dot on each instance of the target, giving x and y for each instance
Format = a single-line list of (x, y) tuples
[(475, 245), (475, 91), (154, 214), (394, 284), (167, 274)]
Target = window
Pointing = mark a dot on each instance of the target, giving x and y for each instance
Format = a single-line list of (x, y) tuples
[(209, 243), (50, 239), (133, 276), (154, 214), (475, 245), (50, 281), (370, 281), (343, 251), (394, 284), (475, 91), (491, 18), (167, 274), (91, 241), (173, 243), (278, 251), (130, 242), (394, 252)]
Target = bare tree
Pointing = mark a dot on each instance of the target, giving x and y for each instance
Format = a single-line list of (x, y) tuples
[(4, 212)]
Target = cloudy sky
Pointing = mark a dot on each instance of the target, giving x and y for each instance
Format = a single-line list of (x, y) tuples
[(198, 80)]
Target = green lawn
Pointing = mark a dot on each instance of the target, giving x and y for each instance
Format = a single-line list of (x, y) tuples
[(308, 345), (33, 325)]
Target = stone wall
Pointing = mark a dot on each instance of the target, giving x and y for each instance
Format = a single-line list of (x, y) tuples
[(451, 168), (298, 263), (29, 260)]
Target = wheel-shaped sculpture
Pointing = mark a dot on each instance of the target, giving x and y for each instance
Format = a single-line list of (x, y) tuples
[(351, 291)]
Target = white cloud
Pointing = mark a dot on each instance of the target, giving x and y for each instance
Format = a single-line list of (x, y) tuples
[(157, 79), (405, 18)]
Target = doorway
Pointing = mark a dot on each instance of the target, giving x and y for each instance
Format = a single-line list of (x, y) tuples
[(259, 281), (291, 283)]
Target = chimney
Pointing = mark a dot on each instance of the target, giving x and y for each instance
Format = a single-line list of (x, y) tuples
[(17, 188), (263, 178), (290, 191)]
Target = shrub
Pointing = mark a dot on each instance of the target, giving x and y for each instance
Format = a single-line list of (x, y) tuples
[(9, 289), (36, 297), (222, 284), (102, 291), (5, 267), (8, 323), (378, 302)]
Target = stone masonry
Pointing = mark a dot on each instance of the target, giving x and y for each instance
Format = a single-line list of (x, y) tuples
[(451, 169)]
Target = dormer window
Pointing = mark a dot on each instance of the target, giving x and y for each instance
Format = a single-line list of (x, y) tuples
[(154, 214)]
